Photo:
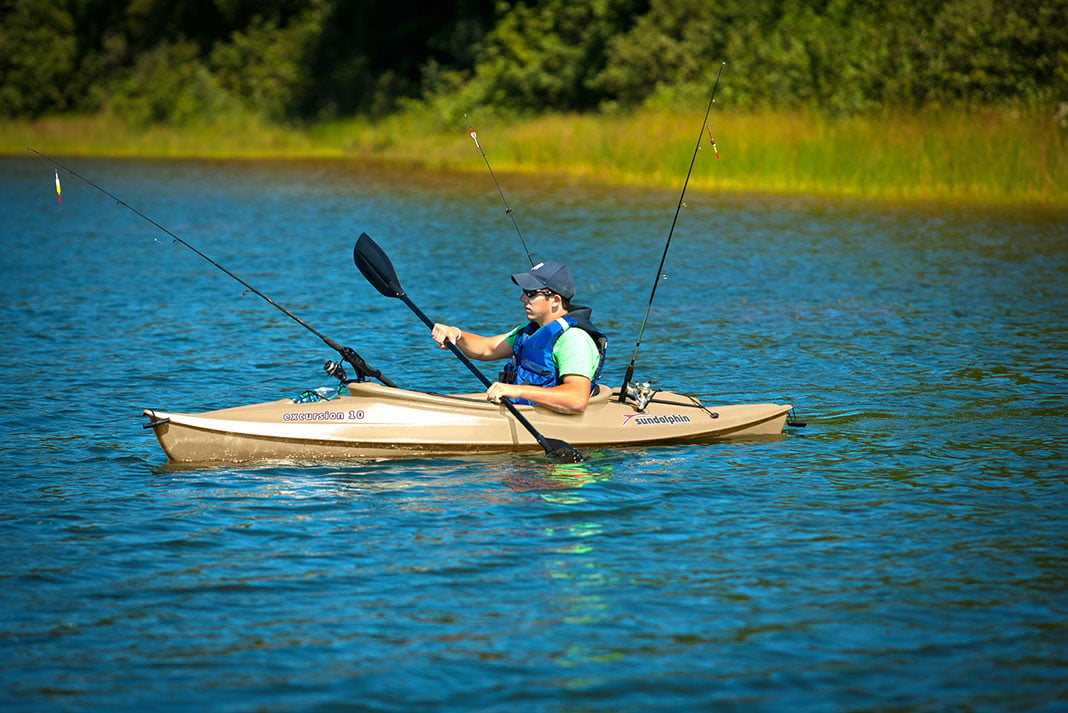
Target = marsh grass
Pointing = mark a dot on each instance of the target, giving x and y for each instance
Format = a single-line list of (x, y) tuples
[(990, 157)]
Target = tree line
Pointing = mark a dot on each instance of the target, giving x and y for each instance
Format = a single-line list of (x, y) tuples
[(303, 61)]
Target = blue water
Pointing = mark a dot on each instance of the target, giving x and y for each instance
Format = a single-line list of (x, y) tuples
[(906, 551)]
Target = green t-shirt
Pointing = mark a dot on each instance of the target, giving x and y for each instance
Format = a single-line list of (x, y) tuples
[(574, 352)]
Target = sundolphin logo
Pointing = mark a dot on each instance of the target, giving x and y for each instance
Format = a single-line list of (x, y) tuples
[(642, 419)]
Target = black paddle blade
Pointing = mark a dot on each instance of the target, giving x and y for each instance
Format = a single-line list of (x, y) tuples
[(561, 452), (375, 265)]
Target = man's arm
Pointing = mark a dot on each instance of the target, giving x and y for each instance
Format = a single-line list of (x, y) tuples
[(569, 397), (475, 346), (577, 358)]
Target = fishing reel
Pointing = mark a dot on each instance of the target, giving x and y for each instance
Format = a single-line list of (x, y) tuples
[(325, 393), (335, 370), (642, 394)]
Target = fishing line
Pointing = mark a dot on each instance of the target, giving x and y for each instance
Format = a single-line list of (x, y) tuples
[(660, 270), (507, 208), (362, 368)]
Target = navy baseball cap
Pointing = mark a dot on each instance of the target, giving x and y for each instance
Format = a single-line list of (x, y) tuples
[(549, 275)]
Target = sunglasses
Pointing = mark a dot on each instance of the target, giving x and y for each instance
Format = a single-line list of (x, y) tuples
[(531, 294)]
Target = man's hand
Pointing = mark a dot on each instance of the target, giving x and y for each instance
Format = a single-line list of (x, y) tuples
[(441, 332), (497, 391)]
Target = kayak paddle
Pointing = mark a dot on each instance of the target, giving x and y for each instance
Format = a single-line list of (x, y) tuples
[(376, 266)]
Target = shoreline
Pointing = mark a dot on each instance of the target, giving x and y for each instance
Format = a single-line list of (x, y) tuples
[(787, 157)]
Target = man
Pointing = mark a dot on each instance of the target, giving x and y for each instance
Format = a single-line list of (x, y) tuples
[(556, 356)]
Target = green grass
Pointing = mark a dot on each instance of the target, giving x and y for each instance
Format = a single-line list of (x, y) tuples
[(992, 157)]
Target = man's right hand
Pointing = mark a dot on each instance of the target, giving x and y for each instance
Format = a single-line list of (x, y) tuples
[(442, 332)]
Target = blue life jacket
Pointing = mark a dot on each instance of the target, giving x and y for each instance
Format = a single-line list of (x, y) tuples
[(532, 351)]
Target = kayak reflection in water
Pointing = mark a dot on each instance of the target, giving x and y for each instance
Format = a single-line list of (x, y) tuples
[(557, 482), (556, 356)]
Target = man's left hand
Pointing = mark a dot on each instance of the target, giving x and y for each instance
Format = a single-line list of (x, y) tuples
[(497, 391)]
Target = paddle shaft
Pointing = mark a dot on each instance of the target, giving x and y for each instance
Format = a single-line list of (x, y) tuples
[(542, 441), (376, 266), (663, 257), (346, 353)]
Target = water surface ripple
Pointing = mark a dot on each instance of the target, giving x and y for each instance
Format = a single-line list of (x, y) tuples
[(906, 551)]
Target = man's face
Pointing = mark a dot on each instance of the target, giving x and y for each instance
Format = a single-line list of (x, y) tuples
[(541, 306)]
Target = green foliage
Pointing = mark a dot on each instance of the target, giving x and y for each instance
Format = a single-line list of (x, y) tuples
[(169, 83), (37, 58), (266, 64), (547, 54), (981, 51), (373, 56), (847, 56), (291, 60)]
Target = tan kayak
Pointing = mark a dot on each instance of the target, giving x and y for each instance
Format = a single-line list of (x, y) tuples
[(375, 421)]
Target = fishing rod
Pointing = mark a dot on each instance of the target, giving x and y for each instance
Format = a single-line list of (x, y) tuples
[(363, 369), (660, 270), (507, 208)]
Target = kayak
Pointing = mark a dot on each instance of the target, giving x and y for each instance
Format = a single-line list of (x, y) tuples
[(361, 420), (365, 420)]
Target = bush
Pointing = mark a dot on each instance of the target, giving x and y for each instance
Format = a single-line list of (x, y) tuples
[(38, 55), (168, 84)]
